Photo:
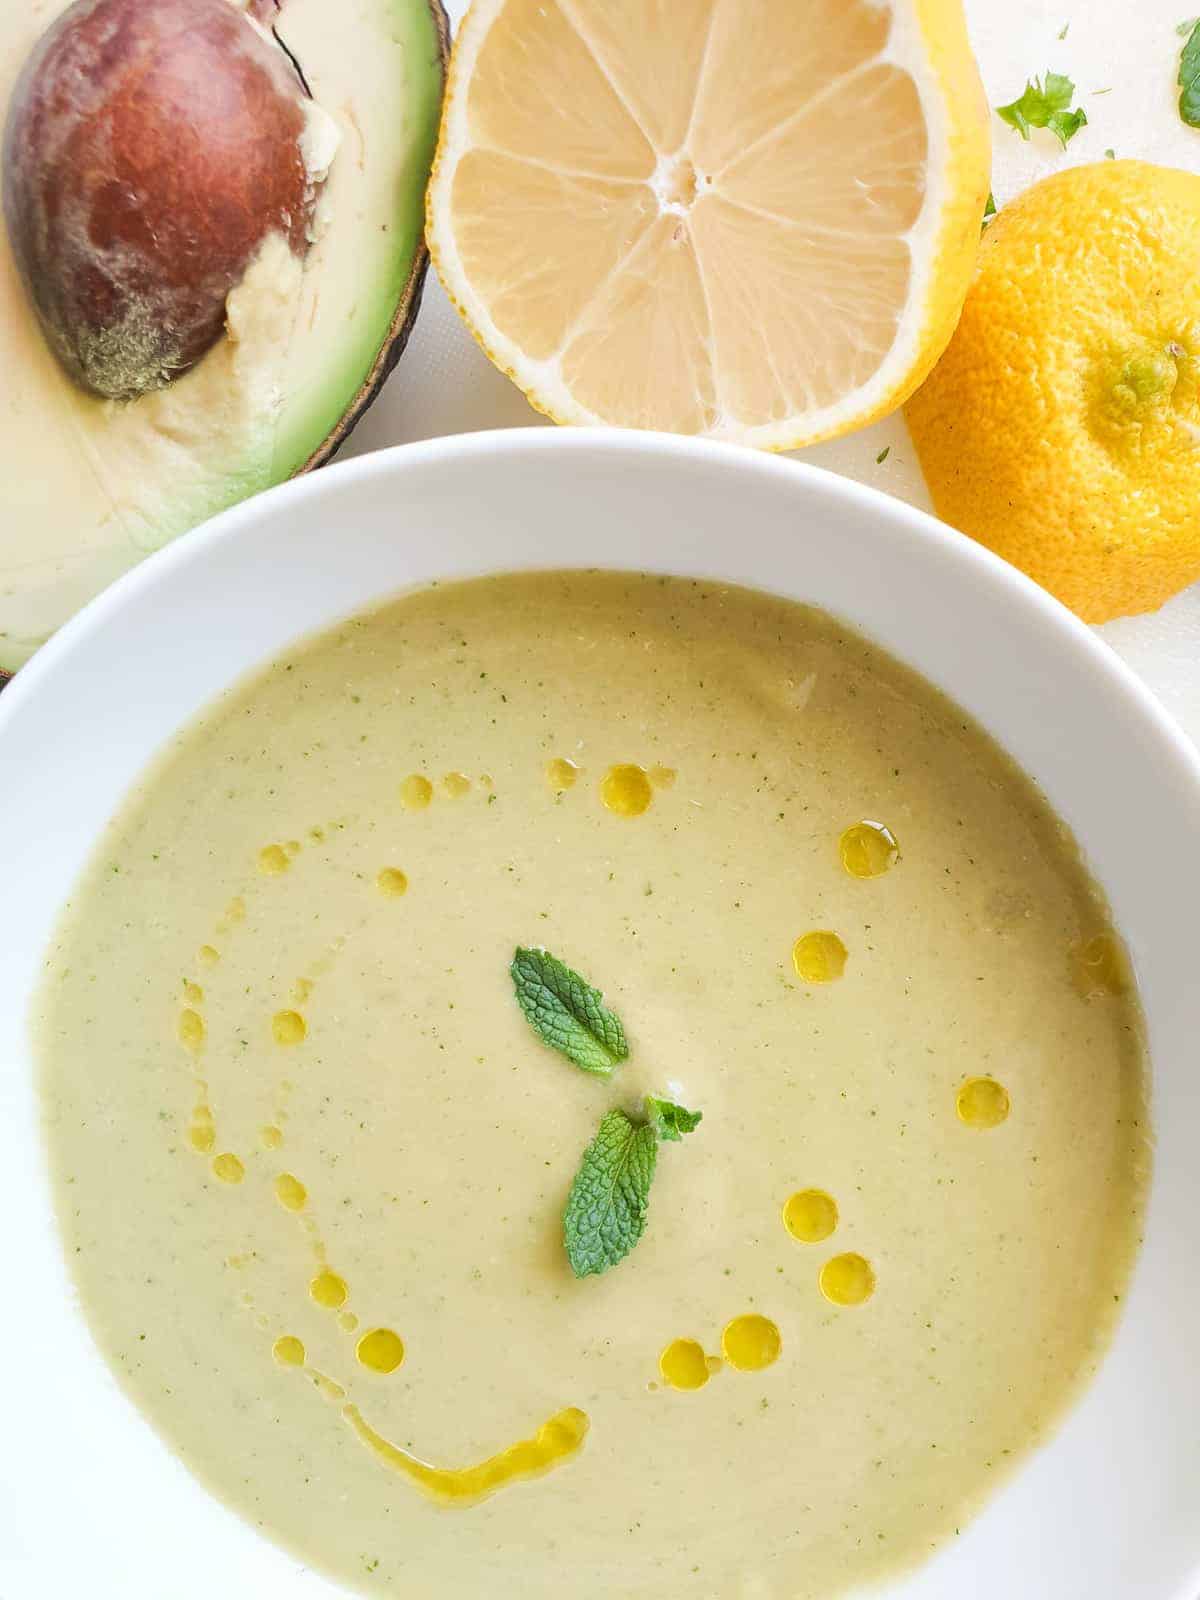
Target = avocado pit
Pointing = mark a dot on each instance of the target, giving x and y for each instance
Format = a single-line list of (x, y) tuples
[(151, 151)]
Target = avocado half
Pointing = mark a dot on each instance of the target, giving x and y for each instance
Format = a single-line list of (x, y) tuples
[(91, 486)]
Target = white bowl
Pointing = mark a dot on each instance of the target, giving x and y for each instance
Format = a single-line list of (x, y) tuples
[(91, 1501)]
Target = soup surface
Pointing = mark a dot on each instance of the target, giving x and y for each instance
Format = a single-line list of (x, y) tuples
[(311, 1158)]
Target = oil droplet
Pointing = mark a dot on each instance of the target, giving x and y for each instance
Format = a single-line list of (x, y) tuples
[(847, 1280), (819, 957), (288, 1352), (288, 1027), (626, 791), (684, 1365), (228, 1168), (868, 849), (290, 1192), (663, 777), (1100, 967), (270, 1137), (416, 792), (555, 1442), (302, 990), (208, 955), (235, 911), (347, 1322), (380, 1351), (202, 1135), (191, 1029), (810, 1215), (751, 1343), (292, 847), (193, 993), (391, 882), (328, 1290), (561, 774), (272, 860), (455, 785), (982, 1103)]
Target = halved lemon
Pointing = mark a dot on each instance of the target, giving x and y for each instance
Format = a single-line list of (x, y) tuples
[(752, 219)]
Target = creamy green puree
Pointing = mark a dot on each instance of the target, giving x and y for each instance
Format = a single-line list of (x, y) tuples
[(311, 1159)]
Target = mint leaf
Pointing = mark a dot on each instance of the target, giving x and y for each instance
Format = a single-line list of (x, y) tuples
[(567, 1013), (1189, 78), (670, 1121), (605, 1214), (1046, 106)]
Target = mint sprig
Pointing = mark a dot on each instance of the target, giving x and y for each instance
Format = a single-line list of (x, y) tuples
[(1046, 105), (567, 1013), (1189, 78), (605, 1214)]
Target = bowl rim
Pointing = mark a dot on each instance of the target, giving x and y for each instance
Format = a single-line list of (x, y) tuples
[(958, 548)]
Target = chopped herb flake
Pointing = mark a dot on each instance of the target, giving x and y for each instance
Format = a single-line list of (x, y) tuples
[(1046, 105)]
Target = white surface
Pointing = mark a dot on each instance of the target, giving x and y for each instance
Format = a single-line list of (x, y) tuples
[(1129, 47), (91, 1503)]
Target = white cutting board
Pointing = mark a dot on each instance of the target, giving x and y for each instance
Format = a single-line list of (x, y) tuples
[(1123, 55)]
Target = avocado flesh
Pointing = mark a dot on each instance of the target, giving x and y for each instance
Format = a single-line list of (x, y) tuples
[(89, 487)]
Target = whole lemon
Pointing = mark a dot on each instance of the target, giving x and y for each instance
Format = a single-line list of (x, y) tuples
[(1062, 425)]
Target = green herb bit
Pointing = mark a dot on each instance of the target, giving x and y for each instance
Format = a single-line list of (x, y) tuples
[(605, 1215), (989, 211), (671, 1121), (1046, 105), (883, 455), (1189, 78), (567, 1013)]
